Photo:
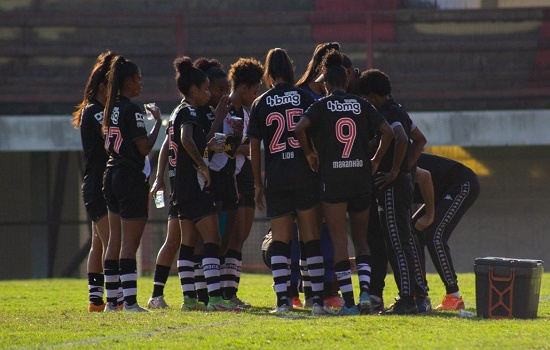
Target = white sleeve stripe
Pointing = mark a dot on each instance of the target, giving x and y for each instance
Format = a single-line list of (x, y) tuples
[(395, 124)]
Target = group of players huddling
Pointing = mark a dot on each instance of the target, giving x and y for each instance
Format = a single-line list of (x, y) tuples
[(338, 150)]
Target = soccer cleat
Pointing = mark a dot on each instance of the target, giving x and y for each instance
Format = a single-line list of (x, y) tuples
[(157, 303), (364, 303), (423, 303), (376, 304), (318, 310), (401, 307), (239, 303), (110, 307), (133, 308), (450, 302), (345, 311), (296, 302), (96, 308), (334, 301), (283, 309), (309, 303), (219, 304), (192, 304)]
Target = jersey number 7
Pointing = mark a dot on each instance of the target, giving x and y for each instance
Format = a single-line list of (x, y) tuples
[(114, 137)]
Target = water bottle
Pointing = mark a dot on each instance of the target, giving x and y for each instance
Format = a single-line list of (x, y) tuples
[(465, 314), (159, 199)]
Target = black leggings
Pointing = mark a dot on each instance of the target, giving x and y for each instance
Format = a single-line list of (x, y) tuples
[(448, 213)]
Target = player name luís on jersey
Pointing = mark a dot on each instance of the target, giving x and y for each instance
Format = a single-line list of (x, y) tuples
[(356, 163), (289, 97), (349, 105)]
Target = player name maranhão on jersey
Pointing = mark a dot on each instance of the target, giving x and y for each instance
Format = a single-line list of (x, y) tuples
[(351, 105), (356, 163), (289, 97)]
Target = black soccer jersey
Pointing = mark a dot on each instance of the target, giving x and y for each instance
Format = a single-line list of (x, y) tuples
[(394, 114), (273, 118), (127, 125), (94, 151), (187, 184), (446, 173), (344, 124)]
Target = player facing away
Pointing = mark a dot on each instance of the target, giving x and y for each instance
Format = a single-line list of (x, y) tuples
[(88, 118), (245, 76), (125, 185), (344, 124), (394, 186), (290, 187), (219, 87), (448, 189), (191, 190)]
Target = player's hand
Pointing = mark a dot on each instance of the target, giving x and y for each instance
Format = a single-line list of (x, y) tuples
[(157, 186), (423, 223), (259, 197), (155, 111), (205, 172), (313, 161), (223, 107), (385, 179)]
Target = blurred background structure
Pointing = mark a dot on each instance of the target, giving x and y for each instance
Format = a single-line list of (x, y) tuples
[(474, 75)]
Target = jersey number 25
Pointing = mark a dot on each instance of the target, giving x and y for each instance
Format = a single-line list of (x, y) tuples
[(288, 123)]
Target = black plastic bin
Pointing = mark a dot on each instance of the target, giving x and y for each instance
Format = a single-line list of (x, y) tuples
[(507, 288)]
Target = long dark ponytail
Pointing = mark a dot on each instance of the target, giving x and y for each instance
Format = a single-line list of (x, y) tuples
[(120, 70), (97, 76)]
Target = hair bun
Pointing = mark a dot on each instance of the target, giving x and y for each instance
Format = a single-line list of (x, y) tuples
[(183, 64), (333, 58)]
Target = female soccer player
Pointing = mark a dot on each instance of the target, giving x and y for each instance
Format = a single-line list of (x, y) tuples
[(394, 187), (345, 124), (88, 117), (452, 188), (191, 190), (125, 183), (219, 87), (291, 188), (245, 76)]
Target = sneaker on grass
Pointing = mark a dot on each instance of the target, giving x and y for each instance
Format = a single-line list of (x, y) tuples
[(219, 304), (451, 302), (345, 311), (192, 304), (133, 308), (239, 303), (157, 303), (318, 310), (364, 303)]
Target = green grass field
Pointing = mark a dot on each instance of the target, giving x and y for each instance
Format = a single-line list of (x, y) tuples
[(53, 314)]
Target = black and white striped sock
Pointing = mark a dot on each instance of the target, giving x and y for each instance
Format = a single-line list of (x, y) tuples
[(343, 275), (316, 268), (363, 271), (128, 277), (112, 280), (280, 254), (211, 268), (186, 271), (95, 288)]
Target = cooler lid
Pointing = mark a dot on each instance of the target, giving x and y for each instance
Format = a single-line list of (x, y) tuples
[(508, 262)]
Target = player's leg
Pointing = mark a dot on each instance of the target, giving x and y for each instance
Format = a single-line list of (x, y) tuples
[(448, 214), (394, 213), (97, 211), (358, 211), (165, 257), (335, 218)]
